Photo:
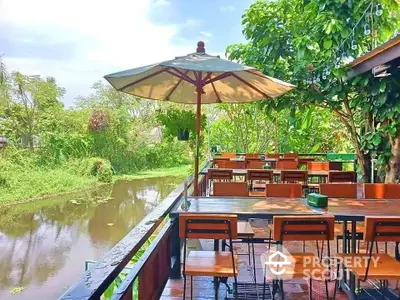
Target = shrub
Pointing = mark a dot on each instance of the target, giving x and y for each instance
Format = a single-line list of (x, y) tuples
[(98, 120), (93, 166), (104, 174)]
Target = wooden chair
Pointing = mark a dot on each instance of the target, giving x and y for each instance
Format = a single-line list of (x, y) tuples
[(272, 155), (303, 161), (382, 191), (252, 155), (377, 229), (342, 176), (294, 176), (286, 164), (208, 263), (300, 228), (288, 190), (256, 164), (219, 160), (228, 164), (339, 190), (342, 190), (239, 189), (228, 154), (217, 174), (259, 175), (318, 166), (335, 165), (290, 155)]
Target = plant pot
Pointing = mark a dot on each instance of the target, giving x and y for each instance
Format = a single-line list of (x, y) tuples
[(183, 134)]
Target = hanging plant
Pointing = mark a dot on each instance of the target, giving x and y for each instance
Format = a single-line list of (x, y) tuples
[(183, 134), (179, 123)]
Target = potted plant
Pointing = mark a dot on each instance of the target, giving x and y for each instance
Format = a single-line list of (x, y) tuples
[(179, 123)]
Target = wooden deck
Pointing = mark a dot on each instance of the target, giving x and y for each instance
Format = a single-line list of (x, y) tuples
[(203, 288)]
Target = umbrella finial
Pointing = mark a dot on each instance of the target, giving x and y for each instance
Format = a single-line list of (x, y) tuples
[(200, 47)]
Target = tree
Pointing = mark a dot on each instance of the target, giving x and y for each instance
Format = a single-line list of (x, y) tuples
[(298, 40), (32, 102)]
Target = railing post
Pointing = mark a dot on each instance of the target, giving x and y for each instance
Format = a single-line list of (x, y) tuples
[(175, 250)]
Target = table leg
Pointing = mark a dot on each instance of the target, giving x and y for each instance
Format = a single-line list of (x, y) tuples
[(216, 245), (344, 245), (352, 283), (175, 250)]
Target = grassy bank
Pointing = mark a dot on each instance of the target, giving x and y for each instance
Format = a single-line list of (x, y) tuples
[(34, 183), (162, 172)]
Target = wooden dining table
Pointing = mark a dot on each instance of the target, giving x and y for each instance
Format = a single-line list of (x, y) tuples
[(321, 175), (348, 211)]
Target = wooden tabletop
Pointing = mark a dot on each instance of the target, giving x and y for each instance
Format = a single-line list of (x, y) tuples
[(262, 207), (244, 159), (363, 207), (247, 207), (242, 172)]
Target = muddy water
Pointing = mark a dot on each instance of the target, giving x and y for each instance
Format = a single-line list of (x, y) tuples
[(44, 244)]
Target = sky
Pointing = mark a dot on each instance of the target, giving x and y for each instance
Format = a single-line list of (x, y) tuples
[(80, 41)]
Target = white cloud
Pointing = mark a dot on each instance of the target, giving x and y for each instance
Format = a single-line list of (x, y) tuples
[(206, 33), (192, 23), (161, 2), (107, 37), (227, 8)]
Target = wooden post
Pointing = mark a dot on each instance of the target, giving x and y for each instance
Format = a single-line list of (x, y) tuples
[(198, 125)]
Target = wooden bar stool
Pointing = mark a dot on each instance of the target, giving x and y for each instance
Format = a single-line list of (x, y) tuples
[(232, 189), (272, 155), (259, 175), (342, 190), (287, 164), (342, 176), (300, 228), (255, 164), (217, 175), (382, 190), (294, 176), (286, 190), (228, 154), (215, 264), (379, 266)]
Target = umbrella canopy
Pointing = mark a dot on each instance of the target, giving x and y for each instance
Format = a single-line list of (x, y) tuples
[(198, 78), (221, 80)]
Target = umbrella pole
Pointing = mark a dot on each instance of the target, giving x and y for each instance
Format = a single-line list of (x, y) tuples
[(196, 162)]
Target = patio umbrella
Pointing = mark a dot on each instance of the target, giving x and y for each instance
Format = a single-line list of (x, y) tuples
[(198, 78)]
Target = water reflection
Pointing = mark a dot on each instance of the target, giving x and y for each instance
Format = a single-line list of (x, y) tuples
[(43, 245)]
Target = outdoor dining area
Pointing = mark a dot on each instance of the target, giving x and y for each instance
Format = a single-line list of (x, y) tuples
[(250, 206)]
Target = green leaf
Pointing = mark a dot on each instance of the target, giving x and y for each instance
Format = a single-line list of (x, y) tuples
[(382, 87), (376, 139), (315, 148), (327, 44)]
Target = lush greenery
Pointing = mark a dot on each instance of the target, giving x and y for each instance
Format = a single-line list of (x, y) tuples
[(55, 149), (52, 148), (312, 51)]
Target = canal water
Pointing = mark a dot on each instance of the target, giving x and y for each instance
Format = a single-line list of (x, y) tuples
[(44, 244)]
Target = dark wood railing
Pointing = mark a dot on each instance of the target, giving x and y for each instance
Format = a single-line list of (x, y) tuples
[(154, 266)]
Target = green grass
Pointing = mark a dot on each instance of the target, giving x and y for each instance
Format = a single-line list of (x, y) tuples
[(180, 171), (34, 183)]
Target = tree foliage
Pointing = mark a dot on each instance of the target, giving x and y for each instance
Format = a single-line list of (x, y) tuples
[(297, 40)]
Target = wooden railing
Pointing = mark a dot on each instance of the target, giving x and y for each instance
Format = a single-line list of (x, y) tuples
[(155, 265)]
